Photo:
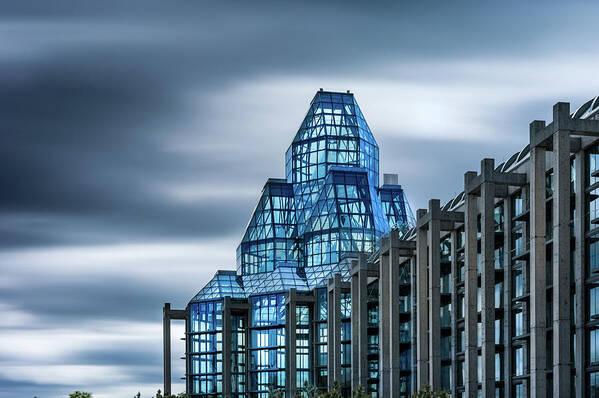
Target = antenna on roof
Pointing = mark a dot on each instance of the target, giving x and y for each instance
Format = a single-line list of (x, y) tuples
[(321, 89), (348, 92)]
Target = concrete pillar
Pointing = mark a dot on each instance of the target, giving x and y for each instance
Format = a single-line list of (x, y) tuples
[(507, 298), (455, 272), (166, 346), (384, 328), (414, 317), (561, 255), (538, 263), (434, 293), (226, 347), (291, 344), (580, 274), (488, 283), (359, 322), (334, 330), (422, 319), (470, 292), (394, 315)]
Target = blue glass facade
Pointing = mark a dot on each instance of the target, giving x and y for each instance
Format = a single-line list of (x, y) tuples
[(329, 205), (205, 336), (267, 345)]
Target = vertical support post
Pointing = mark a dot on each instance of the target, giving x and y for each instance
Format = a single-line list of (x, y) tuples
[(226, 346), (470, 291), (580, 273), (538, 264), (291, 342), (488, 280), (384, 332), (334, 330), (434, 293), (166, 345), (561, 255), (507, 298), (359, 324), (394, 315), (413, 326), (454, 319), (422, 319)]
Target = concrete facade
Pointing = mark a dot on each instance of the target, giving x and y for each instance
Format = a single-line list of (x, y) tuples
[(491, 294)]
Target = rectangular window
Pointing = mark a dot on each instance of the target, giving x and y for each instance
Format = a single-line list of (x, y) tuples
[(594, 385), (594, 346), (519, 361)]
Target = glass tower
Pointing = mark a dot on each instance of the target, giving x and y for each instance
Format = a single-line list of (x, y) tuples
[(330, 205)]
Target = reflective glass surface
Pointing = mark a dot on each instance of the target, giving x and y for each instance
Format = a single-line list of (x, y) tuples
[(267, 344), (270, 235), (205, 356), (329, 205)]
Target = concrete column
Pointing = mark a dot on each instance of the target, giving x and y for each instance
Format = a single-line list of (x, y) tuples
[(580, 274), (538, 263), (359, 322), (488, 283), (394, 315), (434, 293), (291, 344), (226, 347), (455, 272), (422, 319), (414, 317), (334, 330), (507, 298), (166, 346), (470, 292), (561, 256), (384, 328)]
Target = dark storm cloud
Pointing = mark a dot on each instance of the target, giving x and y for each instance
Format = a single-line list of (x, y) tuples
[(86, 118)]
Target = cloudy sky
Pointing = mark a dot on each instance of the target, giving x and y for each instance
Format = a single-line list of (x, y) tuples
[(134, 141)]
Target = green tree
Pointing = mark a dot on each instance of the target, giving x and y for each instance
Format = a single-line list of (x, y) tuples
[(80, 394), (428, 392)]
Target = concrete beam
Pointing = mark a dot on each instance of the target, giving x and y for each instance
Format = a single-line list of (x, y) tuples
[(563, 122), (448, 217)]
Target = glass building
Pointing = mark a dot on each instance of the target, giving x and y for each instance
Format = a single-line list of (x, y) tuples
[(329, 206), (494, 293)]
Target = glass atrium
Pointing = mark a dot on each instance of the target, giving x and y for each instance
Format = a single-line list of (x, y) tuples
[(330, 205)]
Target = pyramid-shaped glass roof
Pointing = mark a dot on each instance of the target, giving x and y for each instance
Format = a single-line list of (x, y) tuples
[(329, 206)]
